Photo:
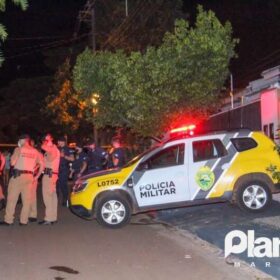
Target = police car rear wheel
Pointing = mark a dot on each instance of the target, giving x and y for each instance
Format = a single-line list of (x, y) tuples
[(253, 196), (113, 211)]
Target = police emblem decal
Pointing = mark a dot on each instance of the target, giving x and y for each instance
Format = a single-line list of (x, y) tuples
[(205, 178)]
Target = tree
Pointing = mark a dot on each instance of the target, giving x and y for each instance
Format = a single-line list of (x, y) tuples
[(70, 110), (273, 169), (147, 92), (3, 33), (63, 107), (146, 24)]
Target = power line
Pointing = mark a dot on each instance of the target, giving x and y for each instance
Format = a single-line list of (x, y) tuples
[(261, 67), (35, 38), (84, 15), (265, 57), (42, 45), (57, 45), (114, 36), (259, 64), (126, 34)]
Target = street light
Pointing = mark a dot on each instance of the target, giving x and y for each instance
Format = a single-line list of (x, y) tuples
[(94, 100)]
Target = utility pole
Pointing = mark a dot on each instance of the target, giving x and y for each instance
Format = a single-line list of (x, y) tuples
[(231, 101), (93, 45), (93, 40), (231, 90), (126, 8), (87, 15)]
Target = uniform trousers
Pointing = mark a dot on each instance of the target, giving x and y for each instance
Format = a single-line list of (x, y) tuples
[(50, 197), (21, 185), (62, 185), (2, 195), (33, 206)]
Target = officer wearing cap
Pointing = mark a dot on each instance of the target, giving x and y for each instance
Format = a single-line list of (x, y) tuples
[(24, 159), (65, 157), (51, 161), (79, 164), (117, 154), (97, 157)]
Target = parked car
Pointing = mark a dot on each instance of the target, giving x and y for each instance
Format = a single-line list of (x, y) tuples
[(185, 170)]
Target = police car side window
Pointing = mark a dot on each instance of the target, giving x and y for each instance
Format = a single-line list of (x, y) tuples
[(208, 149), (244, 144), (170, 156)]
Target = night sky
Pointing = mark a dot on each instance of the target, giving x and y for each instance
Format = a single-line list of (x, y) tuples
[(51, 25), (50, 22)]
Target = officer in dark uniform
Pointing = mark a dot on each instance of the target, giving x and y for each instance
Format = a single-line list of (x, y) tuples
[(66, 156), (79, 164), (117, 154), (96, 158)]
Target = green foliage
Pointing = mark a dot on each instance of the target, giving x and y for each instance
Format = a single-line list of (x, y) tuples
[(3, 32), (273, 169), (23, 4), (62, 107), (149, 91)]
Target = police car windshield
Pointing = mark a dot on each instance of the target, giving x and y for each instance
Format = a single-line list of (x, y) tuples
[(135, 159)]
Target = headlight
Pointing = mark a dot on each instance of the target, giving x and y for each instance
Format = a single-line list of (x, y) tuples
[(79, 186)]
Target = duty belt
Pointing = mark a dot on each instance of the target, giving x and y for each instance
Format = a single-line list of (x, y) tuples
[(16, 172), (49, 172)]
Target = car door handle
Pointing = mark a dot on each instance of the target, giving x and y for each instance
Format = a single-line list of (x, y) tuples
[(225, 166), (130, 183)]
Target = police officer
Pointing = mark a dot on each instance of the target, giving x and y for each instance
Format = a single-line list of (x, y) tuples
[(2, 196), (97, 158), (24, 159), (65, 157), (79, 164), (51, 161), (33, 209), (117, 154)]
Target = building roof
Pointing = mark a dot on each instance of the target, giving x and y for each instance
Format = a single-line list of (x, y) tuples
[(270, 79)]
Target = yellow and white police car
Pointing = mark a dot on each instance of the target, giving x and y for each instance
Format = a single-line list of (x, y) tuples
[(179, 172)]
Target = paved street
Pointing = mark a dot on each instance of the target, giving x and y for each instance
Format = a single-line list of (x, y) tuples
[(79, 249), (212, 222)]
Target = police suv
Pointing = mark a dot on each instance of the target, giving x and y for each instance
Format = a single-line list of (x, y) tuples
[(188, 170)]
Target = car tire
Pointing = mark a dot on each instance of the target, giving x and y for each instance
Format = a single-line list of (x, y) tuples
[(252, 195), (113, 211)]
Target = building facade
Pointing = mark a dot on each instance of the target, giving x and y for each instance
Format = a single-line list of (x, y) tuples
[(256, 107)]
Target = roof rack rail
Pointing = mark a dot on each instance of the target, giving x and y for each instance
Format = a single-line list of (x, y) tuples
[(205, 133)]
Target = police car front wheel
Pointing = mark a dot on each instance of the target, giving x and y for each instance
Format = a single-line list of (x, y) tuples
[(113, 211), (254, 196)]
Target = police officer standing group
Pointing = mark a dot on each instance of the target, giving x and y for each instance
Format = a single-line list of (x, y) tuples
[(52, 159), (24, 160), (28, 165)]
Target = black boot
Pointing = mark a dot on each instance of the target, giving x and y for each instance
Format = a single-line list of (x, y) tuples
[(2, 204)]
